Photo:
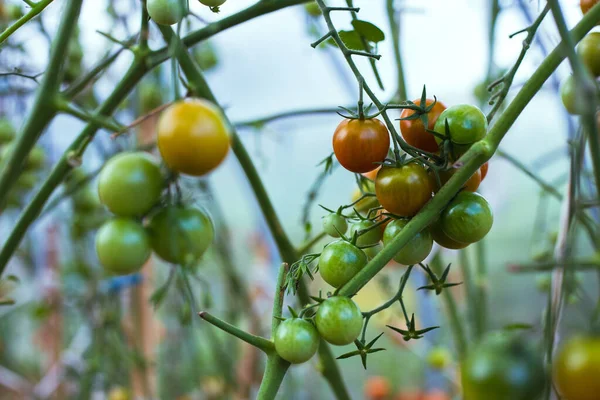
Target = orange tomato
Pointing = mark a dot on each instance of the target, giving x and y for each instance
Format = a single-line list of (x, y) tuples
[(472, 184), (360, 145), (413, 131), (586, 5), (193, 137), (404, 190), (377, 388), (484, 170)]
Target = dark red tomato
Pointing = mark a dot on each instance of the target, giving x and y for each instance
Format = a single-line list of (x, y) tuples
[(468, 218), (501, 367), (472, 184), (443, 240), (404, 190), (413, 131), (360, 145), (576, 369), (484, 170), (586, 5)]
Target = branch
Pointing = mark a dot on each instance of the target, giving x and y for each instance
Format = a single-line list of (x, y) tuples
[(394, 23), (35, 10), (259, 342)]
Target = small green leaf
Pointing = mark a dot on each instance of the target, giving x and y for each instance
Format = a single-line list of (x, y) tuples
[(369, 31), (517, 326), (351, 39)]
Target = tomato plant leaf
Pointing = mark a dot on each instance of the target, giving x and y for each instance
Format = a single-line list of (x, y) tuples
[(368, 30), (351, 39)]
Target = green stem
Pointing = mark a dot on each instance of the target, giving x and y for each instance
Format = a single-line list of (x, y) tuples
[(575, 265), (456, 324), (274, 373), (43, 109), (35, 10), (331, 373), (470, 289), (256, 341), (278, 298), (394, 23), (101, 121), (287, 114), (481, 288), (472, 160)]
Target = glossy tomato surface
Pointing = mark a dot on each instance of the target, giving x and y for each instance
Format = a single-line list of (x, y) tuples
[(340, 261), (589, 51), (296, 340), (360, 145), (467, 124), (468, 218), (413, 130), (416, 250), (405, 190), (339, 320), (193, 137), (576, 368), (122, 246), (166, 12)]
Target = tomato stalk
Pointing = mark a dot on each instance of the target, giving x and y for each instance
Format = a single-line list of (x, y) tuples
[(35, 10), (394, 23)]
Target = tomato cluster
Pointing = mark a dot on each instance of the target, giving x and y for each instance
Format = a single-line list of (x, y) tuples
[(338, 321)]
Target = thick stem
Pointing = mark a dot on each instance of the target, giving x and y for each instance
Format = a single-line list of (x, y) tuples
[(35, 10), (274, 374), (481, 289)]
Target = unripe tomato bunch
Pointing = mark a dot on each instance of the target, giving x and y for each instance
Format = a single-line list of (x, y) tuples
[(193, 140), (32, 165), (169, 12)]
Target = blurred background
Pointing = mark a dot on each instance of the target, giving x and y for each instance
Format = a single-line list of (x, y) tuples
[(74, 333)]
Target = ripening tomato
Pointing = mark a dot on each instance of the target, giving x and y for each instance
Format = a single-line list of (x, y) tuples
[(413, 131), (471, 185), (377, 388), (405, 190), (360, 144), (484, 170), (589, 51), (335, 224), (468, 218), (296, 340), (130, 184), (370, 236), (192, 137), (7, 131), (416, 250), (502, 368), (181, 235), (438, 235), (339, 320), (576, 369), (340, 261), (372, 174), (570, 98), (586, 5), (167, 12), (467, 124), (122, 246)]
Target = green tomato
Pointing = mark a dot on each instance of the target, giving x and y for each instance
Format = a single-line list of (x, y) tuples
[(7, 131), (167, 12), (439, 358), (130, 184), (26, 181), (573, 102), (334, 224), (213, 3), (181, 235), (340, 261), (35, 159), (589, 51), (438, 235), (122, 246), (206, 56), (370, 237), (85, 200), (339, 320), (151, 97), (14, 12), (502, 368), (296, 340), (468, 218), (416, 250), (372, 251), (467, 123)]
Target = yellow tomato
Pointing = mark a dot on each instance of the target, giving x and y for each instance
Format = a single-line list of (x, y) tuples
[(193, 137)]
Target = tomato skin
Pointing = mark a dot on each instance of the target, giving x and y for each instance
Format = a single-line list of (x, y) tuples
[(339, 320), (413, 131), (467, 123), (569, 96), (438, 235), (501, 368), (484, 170), (130, 184), (471, 185), (193, 138), (576, 368), (377, 388), (416, 250), (166, 12), (586, 5), (369, 238), (213, 3), (439, 358), (334, 224), (468, 218), (360, 145), (296, 340), (589, 51), (122, 246), (340, 261), (181, 235), (405, 190)]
